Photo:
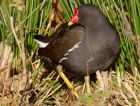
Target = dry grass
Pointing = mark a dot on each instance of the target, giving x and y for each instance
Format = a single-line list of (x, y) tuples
[(48, 90)]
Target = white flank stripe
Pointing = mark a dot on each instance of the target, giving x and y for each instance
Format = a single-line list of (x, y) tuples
[(74, 47), (66, 54), (64, 58), (70, 50), (41, 44)]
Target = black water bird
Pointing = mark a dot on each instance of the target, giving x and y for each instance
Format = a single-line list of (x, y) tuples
[(86, 44)]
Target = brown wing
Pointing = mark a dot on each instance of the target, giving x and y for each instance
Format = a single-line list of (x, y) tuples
[(65, 41)]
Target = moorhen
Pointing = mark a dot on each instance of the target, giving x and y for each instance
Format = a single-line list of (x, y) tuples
[(84, 45)]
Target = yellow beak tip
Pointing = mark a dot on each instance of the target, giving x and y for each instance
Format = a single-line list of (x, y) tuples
[(70, 23)]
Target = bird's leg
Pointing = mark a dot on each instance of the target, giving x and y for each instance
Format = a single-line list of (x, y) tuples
[(87, 84), (87, 77), (67, 82)]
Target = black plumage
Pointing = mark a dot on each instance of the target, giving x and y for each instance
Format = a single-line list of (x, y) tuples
[(90, 43)]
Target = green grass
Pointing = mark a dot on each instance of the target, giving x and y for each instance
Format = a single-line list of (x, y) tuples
[(32, 17)]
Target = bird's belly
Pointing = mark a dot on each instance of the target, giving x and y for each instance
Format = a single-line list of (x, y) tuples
[(82, 61), (76, 63)]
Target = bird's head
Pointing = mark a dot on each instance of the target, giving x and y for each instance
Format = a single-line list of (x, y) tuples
[(87, 15), (75, 17)]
